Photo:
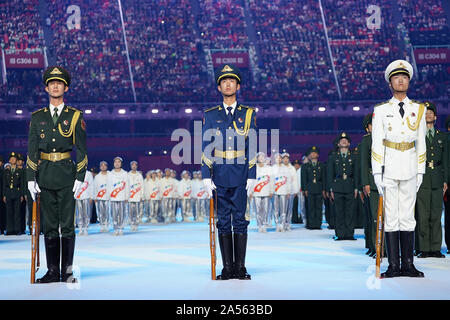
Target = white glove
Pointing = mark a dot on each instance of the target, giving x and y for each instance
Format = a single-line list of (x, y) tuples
[(34, 189), (419, 181), (378, 182), (209, 185), (76, 186)]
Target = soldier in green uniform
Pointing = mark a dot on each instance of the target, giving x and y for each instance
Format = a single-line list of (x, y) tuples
[(313, 186), (2, 204), (54, 130), (368, 185), (13, 195), (343, 175), (447, 194), (23, 204), (434, 186), (359, 211)]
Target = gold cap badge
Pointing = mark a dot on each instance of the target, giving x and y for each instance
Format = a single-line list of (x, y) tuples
[(227, 69), (56, 71)]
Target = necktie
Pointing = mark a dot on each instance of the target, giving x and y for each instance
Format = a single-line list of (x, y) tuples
[(230, 115), (402, 112), (430, 135), (55, 115)]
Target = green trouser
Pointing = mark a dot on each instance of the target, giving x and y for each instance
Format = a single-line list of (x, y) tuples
[(314, 210), (429, 213), (373, 206), (332, 214), (58, 209), (13, 215), (345, 212)]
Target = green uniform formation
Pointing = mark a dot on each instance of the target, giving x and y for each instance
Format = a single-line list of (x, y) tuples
[(344, 187), (430, 194)]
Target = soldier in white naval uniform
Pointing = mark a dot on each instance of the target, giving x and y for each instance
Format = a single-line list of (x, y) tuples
[(398, 133)]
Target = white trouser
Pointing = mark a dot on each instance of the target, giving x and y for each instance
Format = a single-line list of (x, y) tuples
[(186, 208), (289, 210), (153, 209), (84, 213), (200, 209), (134, 213), (262, 210), (280, 207), (400, 200), (102, 207), (119, 214), (168, 209)]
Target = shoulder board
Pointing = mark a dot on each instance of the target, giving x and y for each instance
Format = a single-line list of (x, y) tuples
[(212, 108), (73, 109), (415, 101), (247, 107), (38, 110), (367, 134), (381, 103)]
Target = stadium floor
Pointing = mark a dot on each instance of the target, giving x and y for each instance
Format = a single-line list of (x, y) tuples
[(172, 262)]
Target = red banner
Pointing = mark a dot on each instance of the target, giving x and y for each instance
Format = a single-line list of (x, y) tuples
[(24, 61), (432, 55), (239, 59)]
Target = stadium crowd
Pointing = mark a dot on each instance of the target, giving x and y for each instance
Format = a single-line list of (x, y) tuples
[(167, 41)]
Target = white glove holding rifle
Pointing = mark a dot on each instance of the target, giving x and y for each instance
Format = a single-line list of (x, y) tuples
[(34, 189), (378, 182), (209, 185)]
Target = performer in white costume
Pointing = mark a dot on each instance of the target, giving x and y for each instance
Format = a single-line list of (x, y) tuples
[(84, 197), (136, 195), (263, 191), (119, 191), (185, 193), (282, 191), (102, 196)]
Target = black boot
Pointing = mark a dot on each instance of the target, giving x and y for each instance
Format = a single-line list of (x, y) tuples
[(52, 253), (68, 248), (226, 250), (393, 253), (240, 247), (407, 247)]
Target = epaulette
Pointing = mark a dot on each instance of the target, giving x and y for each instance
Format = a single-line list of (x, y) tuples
[(212, 108), (367, 134), (74, 109), (38, 110), (415, 101), (247, 107), (381, 103)]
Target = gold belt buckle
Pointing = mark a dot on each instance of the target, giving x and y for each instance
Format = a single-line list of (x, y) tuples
[(55, 157), (431, 164), (403, 146), (344, 176)]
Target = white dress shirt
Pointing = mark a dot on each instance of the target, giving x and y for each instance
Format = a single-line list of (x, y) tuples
[(60, 108)]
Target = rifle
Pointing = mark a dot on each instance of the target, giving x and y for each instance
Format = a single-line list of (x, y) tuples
[(212, 236), (35, 232), (380, 236)]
